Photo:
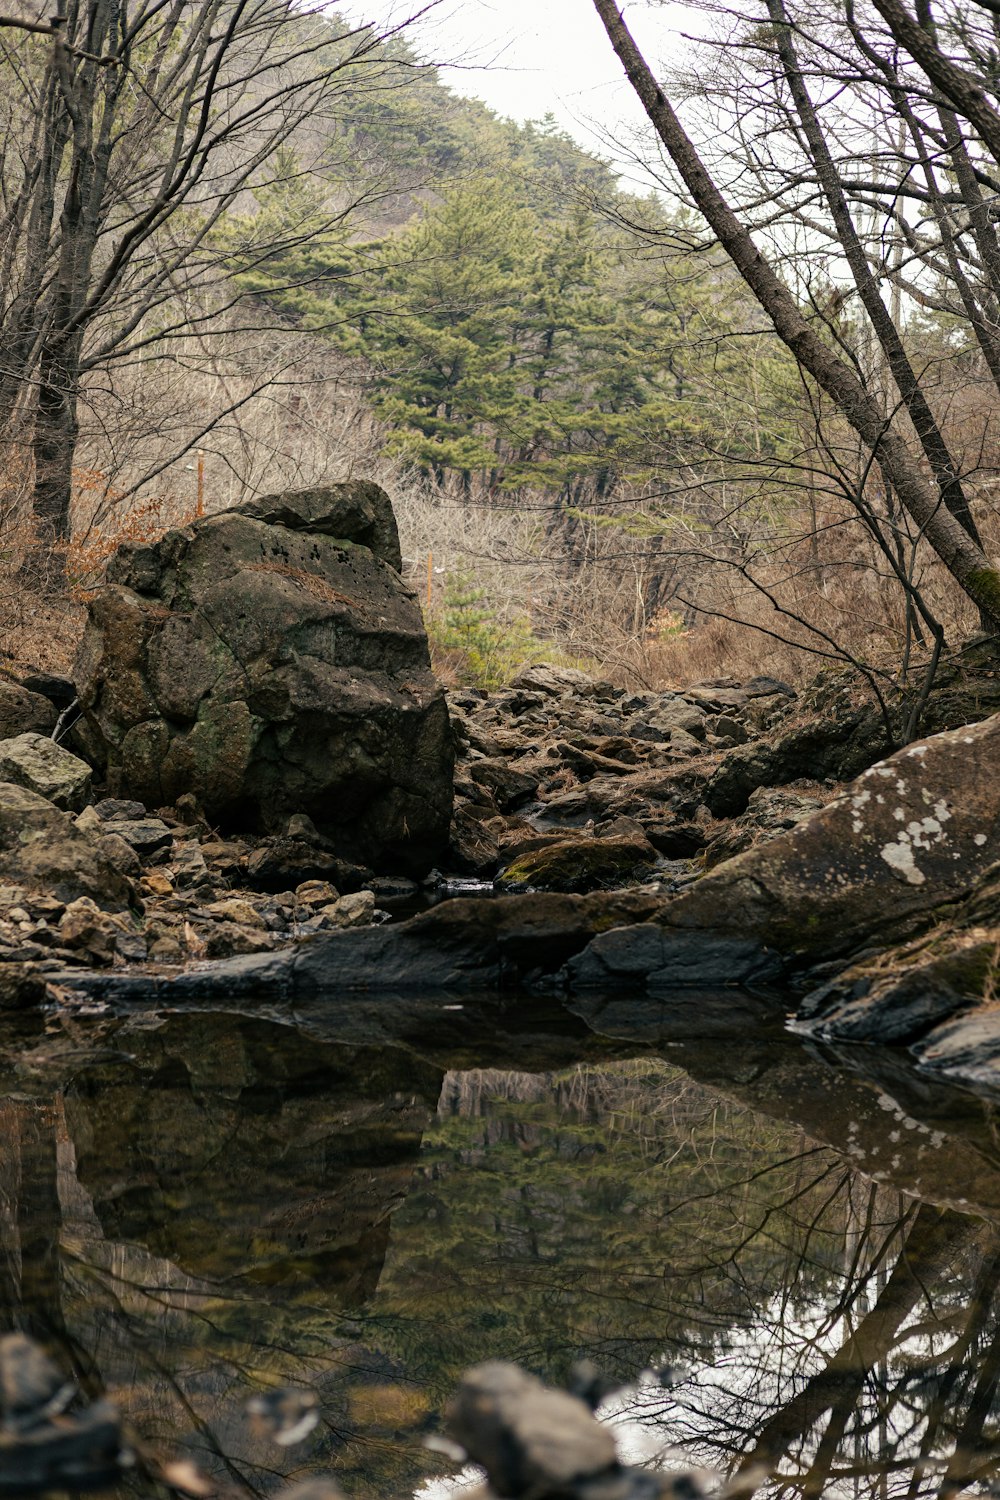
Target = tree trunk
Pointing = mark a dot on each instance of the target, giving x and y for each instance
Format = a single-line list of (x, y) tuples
[(54, 444), (922, 499)]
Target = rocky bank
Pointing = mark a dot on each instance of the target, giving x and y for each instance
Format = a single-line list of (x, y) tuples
[(262, 777)]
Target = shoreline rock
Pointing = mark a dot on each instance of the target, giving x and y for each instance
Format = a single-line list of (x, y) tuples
[(567, 785)]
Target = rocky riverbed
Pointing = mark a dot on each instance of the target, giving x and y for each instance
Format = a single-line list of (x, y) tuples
[(660, 841), (724, 834)]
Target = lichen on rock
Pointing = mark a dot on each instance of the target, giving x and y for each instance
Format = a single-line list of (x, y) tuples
[(270, 660)]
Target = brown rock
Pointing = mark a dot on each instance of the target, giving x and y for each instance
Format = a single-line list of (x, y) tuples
[(42, 849), (87, 929), (581, 864)]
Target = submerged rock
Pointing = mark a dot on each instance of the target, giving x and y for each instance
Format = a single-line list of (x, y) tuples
[(270, 661)]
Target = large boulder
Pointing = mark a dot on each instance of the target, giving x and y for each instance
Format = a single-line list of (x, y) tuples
[(270, 660), (913, 833)]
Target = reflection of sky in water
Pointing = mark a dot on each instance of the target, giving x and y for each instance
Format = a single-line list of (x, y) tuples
[(234, 1205), (678, 1428)]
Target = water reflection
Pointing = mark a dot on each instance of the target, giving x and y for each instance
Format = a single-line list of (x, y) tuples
[(193, 1207)]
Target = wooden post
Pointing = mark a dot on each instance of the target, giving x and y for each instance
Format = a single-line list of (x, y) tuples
[(199, 509)]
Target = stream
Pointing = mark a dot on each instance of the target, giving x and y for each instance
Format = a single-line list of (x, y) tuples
[(364, 1200)]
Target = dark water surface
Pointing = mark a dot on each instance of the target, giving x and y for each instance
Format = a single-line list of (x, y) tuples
[(369, 1198)]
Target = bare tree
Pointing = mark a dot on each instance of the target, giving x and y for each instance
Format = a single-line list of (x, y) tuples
[(898, 428), (129, 128)]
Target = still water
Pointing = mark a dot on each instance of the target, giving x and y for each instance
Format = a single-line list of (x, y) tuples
[(801, 1250)]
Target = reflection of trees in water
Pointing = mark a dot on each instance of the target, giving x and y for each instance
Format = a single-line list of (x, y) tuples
[(190, 1223), (214, 1212), (840, 1338), (620, 1208)]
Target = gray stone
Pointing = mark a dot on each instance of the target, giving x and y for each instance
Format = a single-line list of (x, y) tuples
[(555, 681), (146, 835), (114, 809), (24, 712), (39, 764), (270, 661)]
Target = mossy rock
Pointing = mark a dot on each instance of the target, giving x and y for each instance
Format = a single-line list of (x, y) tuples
[(579, 865)]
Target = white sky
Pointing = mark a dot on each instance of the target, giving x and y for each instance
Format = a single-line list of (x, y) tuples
[(527, 58)]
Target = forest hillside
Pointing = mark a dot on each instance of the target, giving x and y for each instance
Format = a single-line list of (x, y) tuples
[(598, 449)]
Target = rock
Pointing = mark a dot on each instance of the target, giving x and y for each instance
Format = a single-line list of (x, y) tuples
[(461, 945), (769, 811), (86, 928), (911, 834), (189, 867), (21, 987), (117, 810), (729, 730), (166, 947), (24, 711), (508, 787), (60, 691), (767, 687), (581, 865), (303, 828), (42, 849), (132, 946), (235, 909), (145, 835), (901, 995), (671, 713), (225, 858), (89, 822), (838, 746), (39, 764), (270, 661), (121, 854), (531, 1440), (357, 512), (316, 893), (393, 888), (716, 697), (472, 848), (282, 863), (684, 743), (224, 939), (355, 910), (555, 681)]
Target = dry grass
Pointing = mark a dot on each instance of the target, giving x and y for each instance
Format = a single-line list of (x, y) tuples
[(653, 606)]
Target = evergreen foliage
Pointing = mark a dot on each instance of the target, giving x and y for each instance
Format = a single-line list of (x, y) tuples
[(483, 650), (515, 336)]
